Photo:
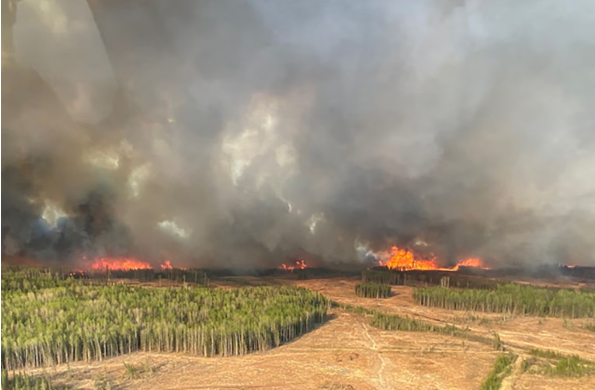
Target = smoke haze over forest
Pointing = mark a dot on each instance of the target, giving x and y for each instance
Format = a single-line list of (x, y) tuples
[(243, 133)]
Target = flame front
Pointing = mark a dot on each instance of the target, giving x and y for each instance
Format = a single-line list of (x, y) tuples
[(402, 259), (124, 264), (300, 264), (471, 262), (405, 260)]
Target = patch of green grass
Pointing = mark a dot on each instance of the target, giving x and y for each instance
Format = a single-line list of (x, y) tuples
[(525, 365), (135, 372), (131, 371), (564, 365), (571, 366), (354, 309), (499, 372), (546, 354)]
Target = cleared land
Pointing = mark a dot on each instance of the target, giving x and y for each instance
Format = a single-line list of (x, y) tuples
[(347, 353), (519, 334), (344, 352)]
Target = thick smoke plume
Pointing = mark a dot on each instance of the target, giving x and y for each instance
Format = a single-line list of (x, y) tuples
[(243, 133)]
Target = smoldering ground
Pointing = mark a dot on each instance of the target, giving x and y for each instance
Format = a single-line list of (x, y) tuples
[(244, 132)]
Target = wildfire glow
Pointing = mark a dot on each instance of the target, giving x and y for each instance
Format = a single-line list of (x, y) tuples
[(300, 264), (124, 264), (403, 259), (471, 262)]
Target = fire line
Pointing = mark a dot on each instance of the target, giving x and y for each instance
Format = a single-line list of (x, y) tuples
[(403, 259), (300, 264), (124, 264)]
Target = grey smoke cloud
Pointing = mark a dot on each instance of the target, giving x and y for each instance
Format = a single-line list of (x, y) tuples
[(247, 132)]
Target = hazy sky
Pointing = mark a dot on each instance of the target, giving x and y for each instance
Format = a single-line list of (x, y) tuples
[(244, 132)]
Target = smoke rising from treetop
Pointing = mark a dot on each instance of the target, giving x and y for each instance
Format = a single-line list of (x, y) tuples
[(244, 132)]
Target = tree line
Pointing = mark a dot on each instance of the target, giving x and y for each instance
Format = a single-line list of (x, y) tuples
[(427, 277), (47, 321), (193, 275), (52, 277), (372, 290), (511, 298), (383, 277)]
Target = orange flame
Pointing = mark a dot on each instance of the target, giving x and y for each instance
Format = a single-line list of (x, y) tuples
[(124, 264), (300, 264), (286, 267), (471, 262), (402, 259)]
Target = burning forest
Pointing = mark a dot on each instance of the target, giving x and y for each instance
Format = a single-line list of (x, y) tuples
[(118, 154), (299, 264), (121, 264), (405, 260), (200, 179)]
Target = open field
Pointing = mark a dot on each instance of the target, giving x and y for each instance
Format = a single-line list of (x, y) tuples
[(346, 352), (565, 336)]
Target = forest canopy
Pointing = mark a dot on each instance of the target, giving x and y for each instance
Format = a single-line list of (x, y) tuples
[(46, 320)]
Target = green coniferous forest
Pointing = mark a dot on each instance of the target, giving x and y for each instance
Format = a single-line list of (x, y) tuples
[(511, 298), (48, 320), (416, 277), (372, 290)]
